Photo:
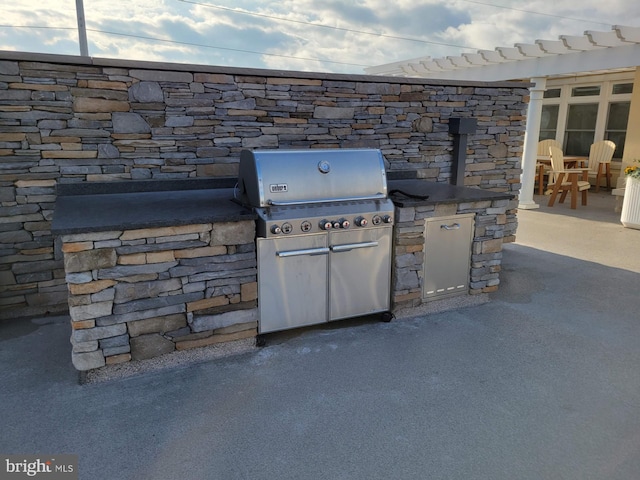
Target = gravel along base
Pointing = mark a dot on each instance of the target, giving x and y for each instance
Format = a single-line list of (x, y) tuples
[(443, 305), (170, 360)]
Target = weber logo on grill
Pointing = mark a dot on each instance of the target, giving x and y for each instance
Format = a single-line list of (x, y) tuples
[(278, 188)]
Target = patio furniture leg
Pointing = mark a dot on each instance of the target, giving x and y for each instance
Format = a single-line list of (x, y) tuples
[(540, 179), (563, 197), (556, 188)]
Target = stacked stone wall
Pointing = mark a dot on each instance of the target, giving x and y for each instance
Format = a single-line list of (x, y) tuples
[(137, 294), (67, 119)]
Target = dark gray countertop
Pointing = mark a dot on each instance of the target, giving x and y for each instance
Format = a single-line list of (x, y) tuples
[(412, 192), (86, 207), (94, 212)]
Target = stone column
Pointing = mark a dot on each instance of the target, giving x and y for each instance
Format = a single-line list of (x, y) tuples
[(530, 153)]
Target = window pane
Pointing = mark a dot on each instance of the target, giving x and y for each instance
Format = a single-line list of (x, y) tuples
[(616, 130), (618, 138), (552, 93), (549, 120), (621, 88), (578, 143), (618, 116), (581, 126), (547, 135), (582, 117), (585, 91)]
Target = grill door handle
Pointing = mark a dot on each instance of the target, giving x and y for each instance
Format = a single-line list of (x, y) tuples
[(353, 246), (453, 226), (302, 252)]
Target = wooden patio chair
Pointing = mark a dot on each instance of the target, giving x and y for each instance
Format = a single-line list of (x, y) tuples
[(567, 180), (600, 155), (543, 153)]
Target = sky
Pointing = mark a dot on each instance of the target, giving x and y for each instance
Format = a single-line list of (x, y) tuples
[(301, 35)]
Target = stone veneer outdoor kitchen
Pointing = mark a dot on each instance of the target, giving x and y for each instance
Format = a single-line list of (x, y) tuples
[(137, 293), (76, 122)]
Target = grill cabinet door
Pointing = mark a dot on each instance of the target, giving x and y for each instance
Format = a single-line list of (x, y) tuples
[(360, 272), (292, 282)]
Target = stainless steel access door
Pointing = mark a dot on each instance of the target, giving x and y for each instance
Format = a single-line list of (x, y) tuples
[(360, 271), (447, 257), (292, 281)]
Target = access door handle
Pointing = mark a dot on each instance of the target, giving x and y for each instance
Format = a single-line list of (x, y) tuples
[(302, 252), (352, 246), (453, 226)]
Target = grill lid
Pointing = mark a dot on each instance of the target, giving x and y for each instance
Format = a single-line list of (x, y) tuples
[(297, 177)]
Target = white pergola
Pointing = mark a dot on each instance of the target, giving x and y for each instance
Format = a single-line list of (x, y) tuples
[(591, 53)]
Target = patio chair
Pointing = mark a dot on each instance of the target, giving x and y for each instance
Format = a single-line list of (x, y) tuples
[(600, 155), (542, 168), (567, 180)]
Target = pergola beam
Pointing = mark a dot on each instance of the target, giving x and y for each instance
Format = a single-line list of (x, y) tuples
[(570, 54), (571, 63)]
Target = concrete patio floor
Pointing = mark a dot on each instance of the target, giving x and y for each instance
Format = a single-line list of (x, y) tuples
[(539, 383)]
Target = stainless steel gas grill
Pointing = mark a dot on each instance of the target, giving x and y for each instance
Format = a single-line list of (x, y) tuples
[(324, 233)]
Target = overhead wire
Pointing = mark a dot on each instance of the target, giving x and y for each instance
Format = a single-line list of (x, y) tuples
[(220, 48), (530, 12), (383, 35), (321, 25), (192, 44)]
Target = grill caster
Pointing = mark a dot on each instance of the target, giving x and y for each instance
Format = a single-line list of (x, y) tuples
[(386, 317), (261, 340)]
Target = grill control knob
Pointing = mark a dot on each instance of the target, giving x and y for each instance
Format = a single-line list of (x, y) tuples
[(276, 230), (336, 224), (361, 222), (305, 226), (344, 223), (325, 224), (387, 219), (287, 228), (376, 220)]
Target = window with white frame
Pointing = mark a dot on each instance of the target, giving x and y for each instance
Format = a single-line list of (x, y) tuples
[(579, 114)]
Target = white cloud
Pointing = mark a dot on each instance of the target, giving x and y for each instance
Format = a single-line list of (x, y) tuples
[(284, 31)]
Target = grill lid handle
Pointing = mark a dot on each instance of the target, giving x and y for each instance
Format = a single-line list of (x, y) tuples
[(378, 196)]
